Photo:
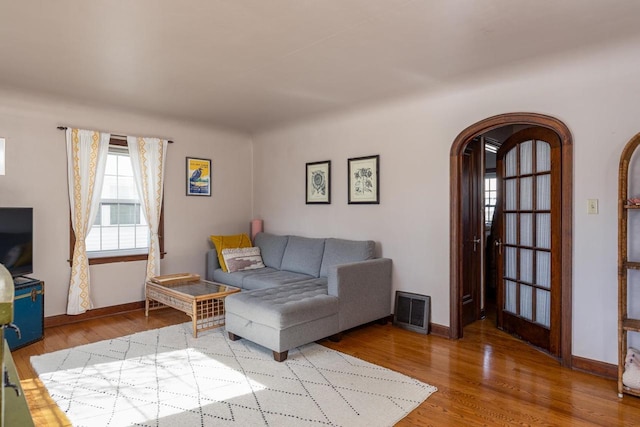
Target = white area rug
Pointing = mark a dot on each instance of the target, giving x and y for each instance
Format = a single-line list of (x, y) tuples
[(165, 377)]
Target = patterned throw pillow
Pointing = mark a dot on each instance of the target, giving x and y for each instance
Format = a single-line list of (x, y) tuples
[(231, 241), (240, 259)]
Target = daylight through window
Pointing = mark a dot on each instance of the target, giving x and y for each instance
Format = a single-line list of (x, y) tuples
[(490, 194), (120, 227)]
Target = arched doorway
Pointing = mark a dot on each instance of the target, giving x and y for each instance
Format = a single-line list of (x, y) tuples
[(457, 267)]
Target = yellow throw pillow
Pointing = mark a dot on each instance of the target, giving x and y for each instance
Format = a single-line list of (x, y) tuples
[(229, 242)]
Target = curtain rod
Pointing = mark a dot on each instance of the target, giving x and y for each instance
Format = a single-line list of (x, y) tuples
[(112, 136)]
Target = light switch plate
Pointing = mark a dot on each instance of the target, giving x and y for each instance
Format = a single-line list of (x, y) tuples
[(592, 206)]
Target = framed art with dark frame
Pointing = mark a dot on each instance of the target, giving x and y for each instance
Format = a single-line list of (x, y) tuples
[(364, 180), (318, 183), (198, 176)]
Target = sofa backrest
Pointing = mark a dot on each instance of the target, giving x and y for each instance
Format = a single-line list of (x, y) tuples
[(271, 248), (312, 256), (303, 255), (341, 251)]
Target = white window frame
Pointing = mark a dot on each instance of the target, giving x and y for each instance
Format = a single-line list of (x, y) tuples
[(123, 255), (116, 150)]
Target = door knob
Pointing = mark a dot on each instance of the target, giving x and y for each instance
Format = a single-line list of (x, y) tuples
[(475, 242)]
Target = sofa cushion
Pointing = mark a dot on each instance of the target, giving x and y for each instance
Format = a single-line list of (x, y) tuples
[(269, 279), (284, 306), (341, 251), (303, 255), (240, 259), (231, 241), (237, 279), (272, 248)]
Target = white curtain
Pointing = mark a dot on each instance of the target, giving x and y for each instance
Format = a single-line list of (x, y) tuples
[(148, 159), (86, 160)]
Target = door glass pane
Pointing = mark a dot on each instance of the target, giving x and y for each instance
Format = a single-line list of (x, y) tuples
[(543, 307), (526, 304), (526, 265), (510, 262), (511, 163), (543, 269), (510, 296), (510, 194), (543, 230), (543, 192), (543, 156), (526, 229), (526, 158), (526, 195), (510, 229)]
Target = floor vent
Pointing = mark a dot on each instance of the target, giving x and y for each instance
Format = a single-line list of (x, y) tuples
[(412, 312)]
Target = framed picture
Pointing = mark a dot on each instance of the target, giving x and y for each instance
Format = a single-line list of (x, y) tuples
[(198, 177), (318, 183), (364, 180)]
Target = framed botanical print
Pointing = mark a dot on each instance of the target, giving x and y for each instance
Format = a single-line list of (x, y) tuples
[(318, 183), (198, 177), (364, 180)]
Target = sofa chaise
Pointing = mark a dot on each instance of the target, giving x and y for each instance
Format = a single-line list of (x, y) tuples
[(309, 289)]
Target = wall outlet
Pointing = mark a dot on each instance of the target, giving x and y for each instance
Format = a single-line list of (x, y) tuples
[(592, 206)]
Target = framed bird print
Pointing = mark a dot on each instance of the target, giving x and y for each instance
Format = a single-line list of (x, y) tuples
[(318, 183), (198, 177)]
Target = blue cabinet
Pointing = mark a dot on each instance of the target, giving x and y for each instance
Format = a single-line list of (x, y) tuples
[(28, 312)]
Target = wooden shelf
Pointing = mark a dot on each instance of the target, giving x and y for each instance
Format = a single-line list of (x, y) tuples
[(632, 265), (625, 237), (631, 325), (631, 391)]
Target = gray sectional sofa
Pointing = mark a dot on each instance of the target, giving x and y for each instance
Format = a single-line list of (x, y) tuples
[(310, 288)]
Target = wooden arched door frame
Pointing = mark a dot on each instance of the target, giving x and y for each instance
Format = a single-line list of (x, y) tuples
[(456, 265)]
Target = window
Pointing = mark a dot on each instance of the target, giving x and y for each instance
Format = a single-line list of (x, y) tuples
[(490, 194), (120, 231), (119, 227)]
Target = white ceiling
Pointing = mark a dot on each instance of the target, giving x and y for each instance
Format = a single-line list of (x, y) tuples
[(252, 64)]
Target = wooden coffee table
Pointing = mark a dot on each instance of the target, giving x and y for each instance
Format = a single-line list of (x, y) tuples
[(201, 300)]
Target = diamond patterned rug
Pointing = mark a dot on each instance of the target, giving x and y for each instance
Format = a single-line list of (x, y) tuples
[(165, 377)]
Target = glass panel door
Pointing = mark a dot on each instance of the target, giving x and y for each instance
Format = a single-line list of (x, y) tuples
[(526, 231), (527, 195)]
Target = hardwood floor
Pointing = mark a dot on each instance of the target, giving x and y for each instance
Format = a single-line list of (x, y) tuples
[(485, 379)]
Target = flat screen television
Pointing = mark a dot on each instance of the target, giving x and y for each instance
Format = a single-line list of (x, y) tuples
[(16, 240)]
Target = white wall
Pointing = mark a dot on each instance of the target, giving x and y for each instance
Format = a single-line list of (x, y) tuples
[(36, 176), (595, 93)]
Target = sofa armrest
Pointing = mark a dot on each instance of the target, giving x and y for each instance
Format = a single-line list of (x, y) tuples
[(363, 290), (212, 263)]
